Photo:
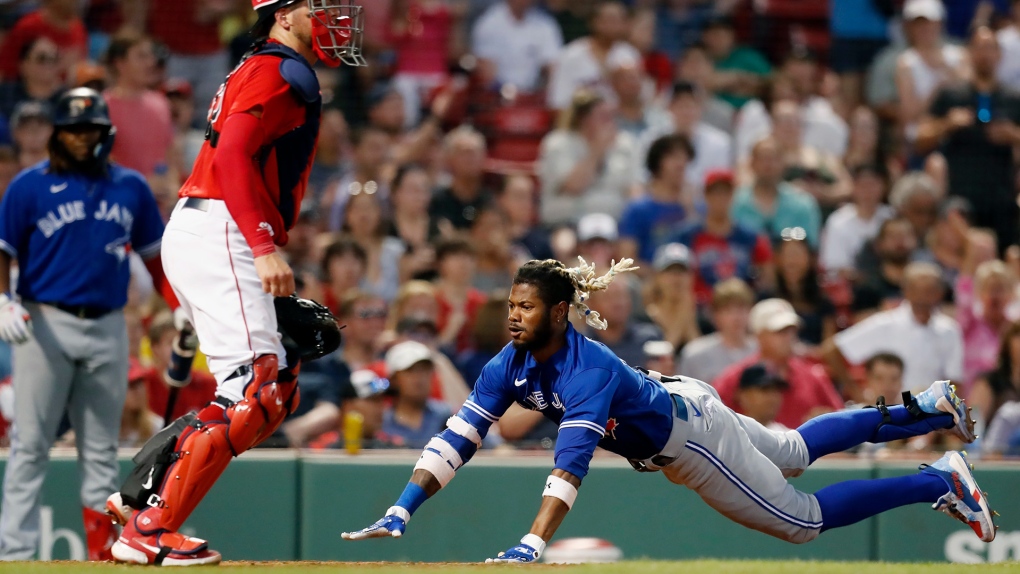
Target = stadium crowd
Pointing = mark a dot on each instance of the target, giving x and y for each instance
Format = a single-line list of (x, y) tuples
[(822, 196)]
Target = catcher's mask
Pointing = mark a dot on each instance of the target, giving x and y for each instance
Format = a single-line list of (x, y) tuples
[(337, 28)]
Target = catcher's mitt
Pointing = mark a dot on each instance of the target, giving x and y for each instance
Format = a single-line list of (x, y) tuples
[(308, 328)]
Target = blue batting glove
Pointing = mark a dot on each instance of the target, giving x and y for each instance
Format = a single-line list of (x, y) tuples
[(527, 551), (391, 525)]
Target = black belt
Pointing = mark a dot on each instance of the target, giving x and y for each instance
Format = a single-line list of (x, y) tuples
[(199, 203), (80, 311)]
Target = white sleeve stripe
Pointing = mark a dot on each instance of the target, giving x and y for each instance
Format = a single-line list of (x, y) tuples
[(151, 249), (8, 248), (479, 411), (464, 429), (583, 424)]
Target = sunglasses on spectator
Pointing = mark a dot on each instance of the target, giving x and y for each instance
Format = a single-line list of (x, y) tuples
[(371, 314), (357, 188)]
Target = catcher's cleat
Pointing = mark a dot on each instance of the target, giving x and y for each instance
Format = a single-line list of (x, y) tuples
[(965, 500), (164, 548), (941, 398), (118, 512)]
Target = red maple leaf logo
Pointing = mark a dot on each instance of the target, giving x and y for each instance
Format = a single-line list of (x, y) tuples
[(611, 425)]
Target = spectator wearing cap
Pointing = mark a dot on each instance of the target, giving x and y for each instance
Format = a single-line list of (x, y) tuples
[(883, 377), (38, 78), (31, 128), (364, 393), (707, 356), (365, 316), (516, 198), (583, 62), (137, 422), (648, 222), (490, 334), (520, 41), (722, 248), (695, 67), (458, 300), (669, 295), (188, 139), (145, 129), (712, 147), (739, 70), (57, 20), (975, 126), (770, 204), (625, 336), (659, 356), (193, 397), (878, 283), (365, 171), (760, 396), (929, 342), (459, 202), (598, 239), (413, 416), (850, 227), (859, 31), (810, 392), (586, 165)]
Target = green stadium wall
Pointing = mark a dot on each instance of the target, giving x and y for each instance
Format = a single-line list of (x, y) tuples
[(285, 506)]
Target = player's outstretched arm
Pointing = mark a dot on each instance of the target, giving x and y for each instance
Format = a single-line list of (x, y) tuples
[(422, 486), (557, 499)]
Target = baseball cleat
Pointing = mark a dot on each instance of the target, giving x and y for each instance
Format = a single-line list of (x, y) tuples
[(119, 512), (965, 501), (163, 548), (941, 398)]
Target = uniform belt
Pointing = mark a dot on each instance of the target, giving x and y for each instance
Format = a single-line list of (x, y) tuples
[(80, 311), (674, 444), (199, 203)]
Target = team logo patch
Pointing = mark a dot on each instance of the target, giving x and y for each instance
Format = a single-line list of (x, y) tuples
[(611, 425), (78, 106)]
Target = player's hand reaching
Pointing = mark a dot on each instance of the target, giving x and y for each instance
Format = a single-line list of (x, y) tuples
[(276, 275), (15, 322), (390, 525), (522, 553)]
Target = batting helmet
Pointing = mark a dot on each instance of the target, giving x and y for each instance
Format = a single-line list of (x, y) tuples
[(86, 107), (337, 28), (308, 328)]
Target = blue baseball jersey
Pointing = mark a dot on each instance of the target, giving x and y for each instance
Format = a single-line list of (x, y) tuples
[(71, 234), (594, 397)]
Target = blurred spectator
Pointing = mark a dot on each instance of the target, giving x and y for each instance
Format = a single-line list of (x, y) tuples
[(816, 171), (669, 295), (386, 112), (364, 223), (490, 334), (586, 165), (880, 271), (416, 300), (928, 341), (413, 416), (986, 304), (706, 357), (883, 377), (191, 31), (1003, 436), (859, 31), (809, 392), (497, 258), (38, 77), (364, 393), (458, 203), (31, 128), (583, 62), (850, 227), (331, 152), (343, 268), (739, 70), (420, 33), (712, 147), (365, 316), (570, 16), (721, 247), (926, 66), (90, 75), (598, 239), (624, 336), (459, 301), (145, 130), (9, 167), (976, 125), (799, 282), (679, 24), (188, 140), (1002, 384), (519, 40), (365, 172), (1009, 40), (648, 222), (643, 36), (695, 67), (659, 356), (759, 396), (410, 222), (864, 144), (916, 197), (57, 20), (137, 422), (322, 386), (632, 114), (770, 204), (517, 200), (193, 397)]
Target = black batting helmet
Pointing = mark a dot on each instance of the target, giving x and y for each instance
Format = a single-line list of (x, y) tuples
[(86, 107)]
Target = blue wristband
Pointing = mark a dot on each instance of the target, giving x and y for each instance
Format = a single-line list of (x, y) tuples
[(412, 497)]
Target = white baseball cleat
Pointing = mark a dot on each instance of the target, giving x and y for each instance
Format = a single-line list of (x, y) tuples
[(965, 501)]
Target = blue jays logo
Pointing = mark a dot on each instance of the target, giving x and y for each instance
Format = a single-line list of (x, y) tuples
[(78, 106), (611, 425)]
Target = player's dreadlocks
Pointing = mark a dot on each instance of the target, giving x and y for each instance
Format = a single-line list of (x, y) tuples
[(556, 282)]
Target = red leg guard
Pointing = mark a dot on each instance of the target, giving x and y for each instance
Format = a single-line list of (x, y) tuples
[(100, 534)]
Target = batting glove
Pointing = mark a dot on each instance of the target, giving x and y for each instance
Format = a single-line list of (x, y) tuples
[(527, 551), (391, 525), (188, 339), (15, 322)]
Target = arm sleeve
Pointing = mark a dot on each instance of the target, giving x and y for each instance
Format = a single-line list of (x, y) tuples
[(587, 401), (15, 218), (234, 170), (489, 400)]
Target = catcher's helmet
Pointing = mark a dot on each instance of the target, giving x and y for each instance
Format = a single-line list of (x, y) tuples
[(86, 107), (337, 28)]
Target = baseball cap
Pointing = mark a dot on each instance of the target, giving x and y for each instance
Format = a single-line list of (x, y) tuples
[(597, 226), (30, 110), (364, 384), (928, 9), (178, 87), (403, 356), (718, 176), (773, 315), (657, 349), (756, 376), (672, 254)]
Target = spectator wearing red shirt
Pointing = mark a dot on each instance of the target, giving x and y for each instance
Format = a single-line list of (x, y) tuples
[(58, 20), (193, 397), (145, 129), (809, 392), (191, 30), (458, 300), (420, 33)]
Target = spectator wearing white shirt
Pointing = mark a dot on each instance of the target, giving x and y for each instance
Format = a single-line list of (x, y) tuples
[(851, 226), (929, 341), (520, 40), (1009, 42), (584, 63)]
